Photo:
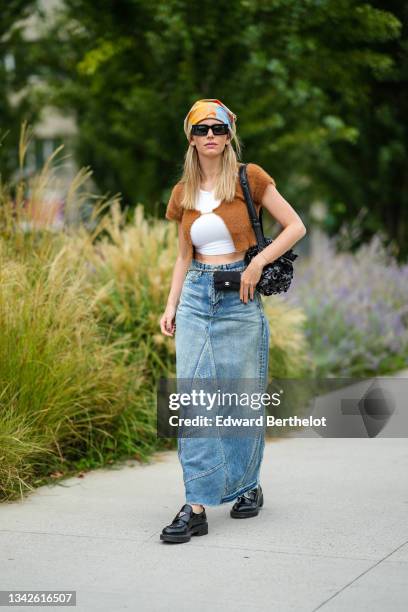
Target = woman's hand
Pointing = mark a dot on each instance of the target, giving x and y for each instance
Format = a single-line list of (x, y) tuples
[(168, 320), (249, 279)]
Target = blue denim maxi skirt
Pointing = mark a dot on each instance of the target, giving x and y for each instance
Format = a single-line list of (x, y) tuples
[(219, 337)]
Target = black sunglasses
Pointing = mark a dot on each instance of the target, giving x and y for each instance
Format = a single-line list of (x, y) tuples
[(201, 129)]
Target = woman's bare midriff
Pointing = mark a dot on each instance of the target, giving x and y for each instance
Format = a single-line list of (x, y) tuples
[(220, 259)]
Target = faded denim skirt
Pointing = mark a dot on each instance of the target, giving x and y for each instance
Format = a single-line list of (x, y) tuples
[(218, 337)]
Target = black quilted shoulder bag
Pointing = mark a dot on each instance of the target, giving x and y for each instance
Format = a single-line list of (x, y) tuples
[(276, 276)]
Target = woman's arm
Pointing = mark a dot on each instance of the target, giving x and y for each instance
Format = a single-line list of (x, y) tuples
[(294, 228), (180, 269), (167, 322)]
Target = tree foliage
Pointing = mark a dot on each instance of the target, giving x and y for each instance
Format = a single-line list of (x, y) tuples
[(15, 70), (319, 87)]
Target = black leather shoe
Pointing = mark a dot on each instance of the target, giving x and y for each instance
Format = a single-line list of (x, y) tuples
[(185, 524), (249, 504)]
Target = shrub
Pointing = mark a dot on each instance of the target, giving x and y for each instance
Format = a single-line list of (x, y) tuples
[(356, 307)]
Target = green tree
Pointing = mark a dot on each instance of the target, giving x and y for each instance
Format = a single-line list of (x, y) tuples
[(368, 178), (300, 74), (15, 70)]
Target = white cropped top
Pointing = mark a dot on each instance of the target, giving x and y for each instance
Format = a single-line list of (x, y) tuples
[(209, 234)]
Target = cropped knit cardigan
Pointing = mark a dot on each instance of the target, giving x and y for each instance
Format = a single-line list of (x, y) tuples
[(234, 213)]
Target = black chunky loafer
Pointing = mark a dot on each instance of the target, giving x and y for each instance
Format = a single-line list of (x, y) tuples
[(248, 504), (185, 524)]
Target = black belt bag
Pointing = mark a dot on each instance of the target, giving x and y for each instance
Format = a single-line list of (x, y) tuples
[(227, 279)]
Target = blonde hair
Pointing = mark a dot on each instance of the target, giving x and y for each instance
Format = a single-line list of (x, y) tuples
[(225, 184)]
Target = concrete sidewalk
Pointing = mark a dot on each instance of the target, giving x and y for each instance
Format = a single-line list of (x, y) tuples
[(332, 536)]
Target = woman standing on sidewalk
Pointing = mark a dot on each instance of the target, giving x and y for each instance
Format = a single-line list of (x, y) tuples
[(220, 334)]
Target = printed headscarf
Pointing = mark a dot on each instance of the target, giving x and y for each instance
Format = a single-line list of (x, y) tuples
[(211, 108)]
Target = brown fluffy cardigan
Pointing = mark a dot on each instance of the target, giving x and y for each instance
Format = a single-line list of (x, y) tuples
[(234, 214)]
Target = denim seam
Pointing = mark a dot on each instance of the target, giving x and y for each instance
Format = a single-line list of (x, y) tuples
[(210, 349), (201, 270), (179, 447), (216, 377), (266, 349), (193, 378), (264, 337), (261, 375), (262, 343), (201, 474), (239, 491), (201, 353)]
